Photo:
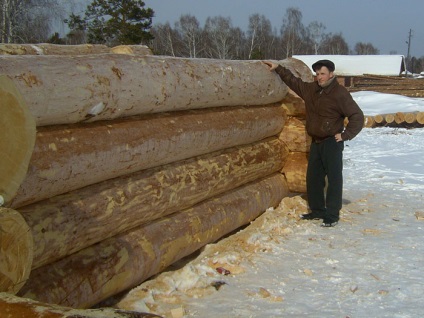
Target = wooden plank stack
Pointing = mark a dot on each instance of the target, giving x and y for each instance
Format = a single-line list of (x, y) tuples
[(388, 84), (137, 161)]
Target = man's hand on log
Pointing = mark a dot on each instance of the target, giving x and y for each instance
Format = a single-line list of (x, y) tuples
[(272, 66)]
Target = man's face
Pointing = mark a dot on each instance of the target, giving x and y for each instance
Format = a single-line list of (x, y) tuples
[(323, 75)]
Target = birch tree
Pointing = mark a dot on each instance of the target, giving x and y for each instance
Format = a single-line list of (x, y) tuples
[(293, 33), (190, 33), (219, 32), (28, 21), (259, 34)]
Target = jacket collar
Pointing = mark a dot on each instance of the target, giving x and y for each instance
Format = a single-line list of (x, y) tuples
[(329, 85)]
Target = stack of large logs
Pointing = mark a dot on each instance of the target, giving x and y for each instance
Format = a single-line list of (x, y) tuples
[(138, 161)]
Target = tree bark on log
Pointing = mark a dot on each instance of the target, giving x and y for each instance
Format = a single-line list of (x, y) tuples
[(17, 131), (295, 171), (82, 49), (16, 245), (71, 89), (68, 223), (294, 136), (67, 158), (122, 262), (16, 307)]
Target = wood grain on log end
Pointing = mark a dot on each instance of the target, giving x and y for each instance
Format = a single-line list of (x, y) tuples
[(17, 131), (17, 251)]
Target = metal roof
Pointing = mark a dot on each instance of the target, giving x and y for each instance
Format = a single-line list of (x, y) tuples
[(356, 65)]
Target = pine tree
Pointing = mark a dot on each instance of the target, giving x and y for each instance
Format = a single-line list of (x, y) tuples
[(115, 22)]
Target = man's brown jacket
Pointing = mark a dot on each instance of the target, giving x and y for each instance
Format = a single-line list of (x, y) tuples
[(326, 108)]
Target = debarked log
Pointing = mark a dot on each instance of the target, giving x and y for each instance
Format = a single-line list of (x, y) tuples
[(17, 307), (295, 171), (124, 261), (71, 89), (294, 135), (67, 158), (70, 222), (369, 121), (57, 49), (17, 138), (16, 246)]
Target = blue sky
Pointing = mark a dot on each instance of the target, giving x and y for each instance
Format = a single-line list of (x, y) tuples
[(383, 23)]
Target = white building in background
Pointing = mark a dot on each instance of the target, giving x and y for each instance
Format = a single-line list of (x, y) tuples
[(359, 65)]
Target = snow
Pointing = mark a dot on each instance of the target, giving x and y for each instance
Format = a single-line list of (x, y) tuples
[(369, 265)]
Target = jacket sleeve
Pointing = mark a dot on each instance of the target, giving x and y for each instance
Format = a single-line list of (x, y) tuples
[(355, 117), (295, 83)]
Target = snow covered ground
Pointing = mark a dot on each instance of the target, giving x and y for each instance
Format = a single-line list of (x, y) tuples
[(369, 265)]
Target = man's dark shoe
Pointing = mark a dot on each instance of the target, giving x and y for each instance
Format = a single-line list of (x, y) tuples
[(311, 216), (327, 223)]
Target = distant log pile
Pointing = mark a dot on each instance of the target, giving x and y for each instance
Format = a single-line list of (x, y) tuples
[(125, 163), (396, 120), (388, 85)]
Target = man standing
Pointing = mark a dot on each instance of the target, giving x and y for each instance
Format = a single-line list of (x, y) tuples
[(327, 104)]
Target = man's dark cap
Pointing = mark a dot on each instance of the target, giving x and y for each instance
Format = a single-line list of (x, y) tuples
[(327, 63)]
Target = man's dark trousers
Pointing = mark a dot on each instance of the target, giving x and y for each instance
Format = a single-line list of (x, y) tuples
[(325, 159)]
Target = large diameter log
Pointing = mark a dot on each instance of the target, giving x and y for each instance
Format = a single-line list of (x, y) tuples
[(295, 171), (298, 68), (71, 157), (16, 307), (294, 135), (16, 246), (70, 222), (56, 49), (122, 262), (70, 89), (17, 138)]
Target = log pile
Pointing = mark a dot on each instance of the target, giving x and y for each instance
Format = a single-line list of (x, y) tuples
[(397, 120), (388, 84), (138, 161)]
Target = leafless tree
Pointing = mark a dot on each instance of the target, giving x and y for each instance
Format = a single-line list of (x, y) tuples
[(316, 33), (28, 21), (190, 33), (293, 33), (365, 49), (259, 35), (240, 47), (219, 33), (166, 40), (335, 44)]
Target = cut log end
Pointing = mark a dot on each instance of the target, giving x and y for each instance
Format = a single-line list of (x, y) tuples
[(17, 251), (17, 131)]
